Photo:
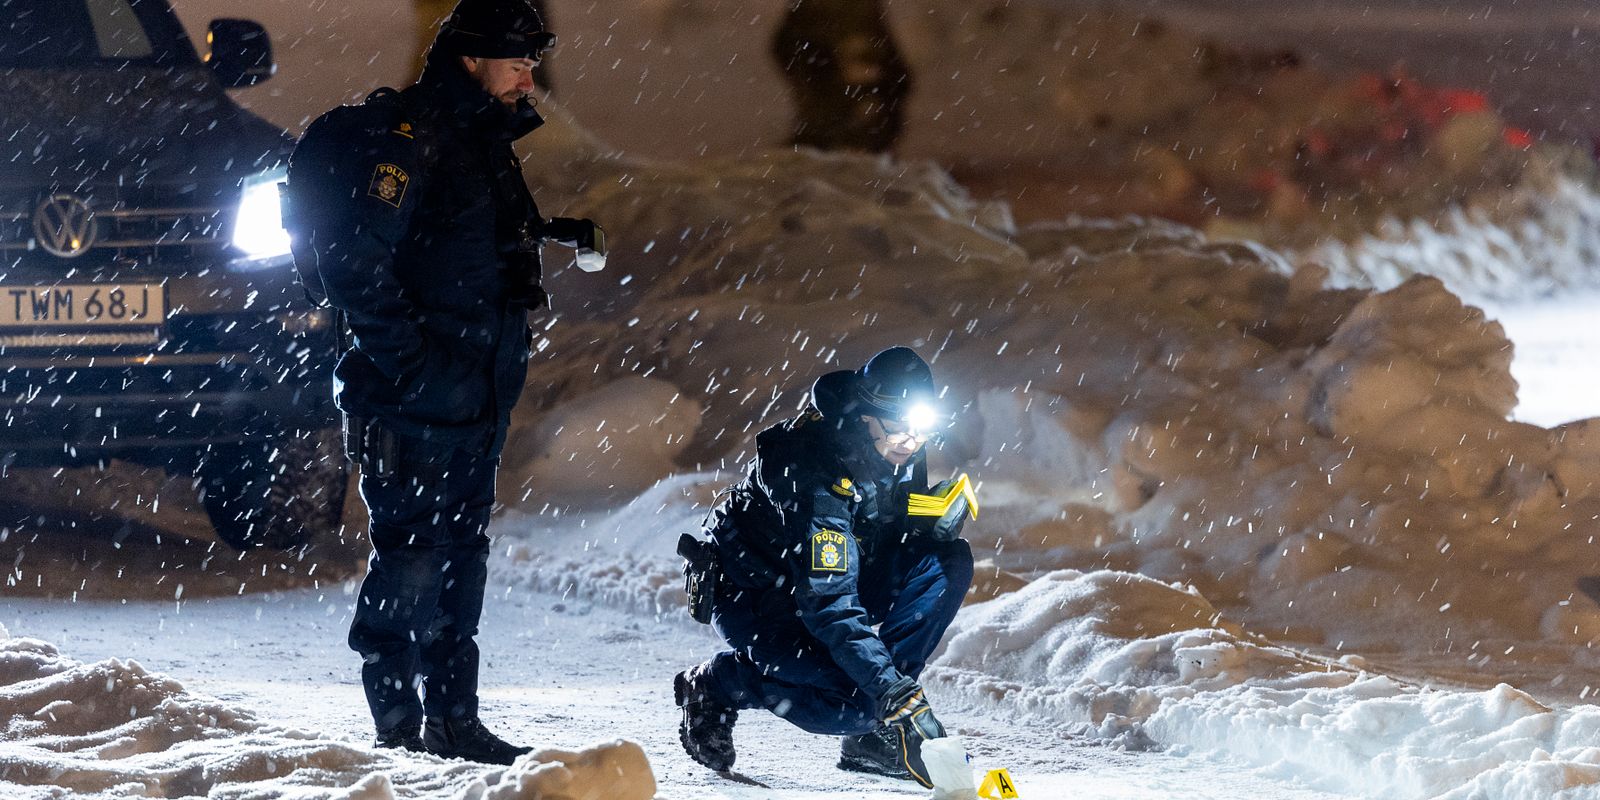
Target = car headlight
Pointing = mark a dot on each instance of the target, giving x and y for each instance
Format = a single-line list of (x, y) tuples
[(258, 232)]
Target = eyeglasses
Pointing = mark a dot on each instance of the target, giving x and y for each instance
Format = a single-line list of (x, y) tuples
[(899, 433)]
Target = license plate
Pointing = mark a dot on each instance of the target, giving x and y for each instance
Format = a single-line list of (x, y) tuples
[(83, 305)]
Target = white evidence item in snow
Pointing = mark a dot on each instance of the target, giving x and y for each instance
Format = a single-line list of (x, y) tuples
[(950, 769)]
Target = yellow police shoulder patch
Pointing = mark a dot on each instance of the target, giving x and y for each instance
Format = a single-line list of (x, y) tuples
[(405, 130), (829, 552), (389, 184), (844, 487)]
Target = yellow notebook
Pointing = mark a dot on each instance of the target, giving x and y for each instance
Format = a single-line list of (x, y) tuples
[(927, 505)]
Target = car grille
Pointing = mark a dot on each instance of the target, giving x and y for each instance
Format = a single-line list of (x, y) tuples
[(122, 233)]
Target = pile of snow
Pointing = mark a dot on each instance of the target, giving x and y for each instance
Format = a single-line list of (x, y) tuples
[(615, 770), (1132, 659), (623, 556), (1536, 239), (114, 730)]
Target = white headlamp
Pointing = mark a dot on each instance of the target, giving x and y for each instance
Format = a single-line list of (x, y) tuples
[(922, 417)]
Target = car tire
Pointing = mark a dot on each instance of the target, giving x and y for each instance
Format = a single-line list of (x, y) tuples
[(284, 492)]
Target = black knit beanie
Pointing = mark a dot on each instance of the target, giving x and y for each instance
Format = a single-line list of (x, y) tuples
[(495, 29)]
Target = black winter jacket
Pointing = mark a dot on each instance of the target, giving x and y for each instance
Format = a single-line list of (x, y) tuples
[(816, 503), (427, 239)]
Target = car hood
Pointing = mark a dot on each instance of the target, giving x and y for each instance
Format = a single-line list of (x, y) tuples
[(170, 132)]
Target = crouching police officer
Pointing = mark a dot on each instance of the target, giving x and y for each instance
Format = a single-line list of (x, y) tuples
[(410, 215), (832, 572)]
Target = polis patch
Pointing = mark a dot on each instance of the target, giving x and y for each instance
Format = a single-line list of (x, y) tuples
[(829, 552), (389, 184)]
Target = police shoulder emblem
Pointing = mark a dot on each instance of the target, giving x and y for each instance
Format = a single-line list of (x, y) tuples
[(829, 552), (844, 487), (389, 184)]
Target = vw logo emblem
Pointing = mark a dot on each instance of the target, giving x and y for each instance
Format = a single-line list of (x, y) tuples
[(64, 226)]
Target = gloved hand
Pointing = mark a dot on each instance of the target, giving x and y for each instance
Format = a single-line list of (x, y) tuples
[(906, 711), (940, 514), (584, 235), (947, 528)]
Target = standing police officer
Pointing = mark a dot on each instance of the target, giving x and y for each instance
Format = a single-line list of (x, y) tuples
[(830, 577), (410, 214)]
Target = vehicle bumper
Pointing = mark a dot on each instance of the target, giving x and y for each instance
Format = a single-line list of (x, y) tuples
[(100, 408)]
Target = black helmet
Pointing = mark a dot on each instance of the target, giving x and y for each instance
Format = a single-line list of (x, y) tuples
[(495, 29), (893, 383)]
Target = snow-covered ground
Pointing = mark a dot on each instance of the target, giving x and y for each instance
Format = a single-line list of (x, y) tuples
[(560, 672), (1246, 532)]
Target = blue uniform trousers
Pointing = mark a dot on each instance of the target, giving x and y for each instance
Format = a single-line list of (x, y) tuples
[(912, 592), (420, 603)]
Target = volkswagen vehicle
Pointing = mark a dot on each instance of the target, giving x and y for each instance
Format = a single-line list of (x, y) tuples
[(148, 306)]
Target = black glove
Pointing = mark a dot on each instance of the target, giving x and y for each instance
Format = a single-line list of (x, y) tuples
[(584, 235), (948, 527), (581, 234), (906, 711)]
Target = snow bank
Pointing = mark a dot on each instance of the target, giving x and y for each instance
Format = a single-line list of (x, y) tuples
[(623, 556), (1532, 240), (610, 771), (1142, 662), (114, 730)]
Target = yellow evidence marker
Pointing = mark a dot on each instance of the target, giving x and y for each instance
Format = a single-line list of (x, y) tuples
[(997, 785)]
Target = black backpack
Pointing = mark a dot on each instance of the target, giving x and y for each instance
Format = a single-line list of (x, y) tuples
[(306, 194)]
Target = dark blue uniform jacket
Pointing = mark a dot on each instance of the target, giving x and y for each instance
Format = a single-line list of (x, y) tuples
[(422, 225), (816, 504)]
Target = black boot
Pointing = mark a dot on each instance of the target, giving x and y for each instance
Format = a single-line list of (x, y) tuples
[(403, 738), (706, 730), (467, 738), (877, 752)]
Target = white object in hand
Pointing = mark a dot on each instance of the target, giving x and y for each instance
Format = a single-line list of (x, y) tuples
[(591, 261), (949, 768)]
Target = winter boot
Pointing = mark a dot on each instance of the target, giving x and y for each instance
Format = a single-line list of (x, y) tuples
[(467, 738), (706, 730), (403, 738), (877, 752)]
